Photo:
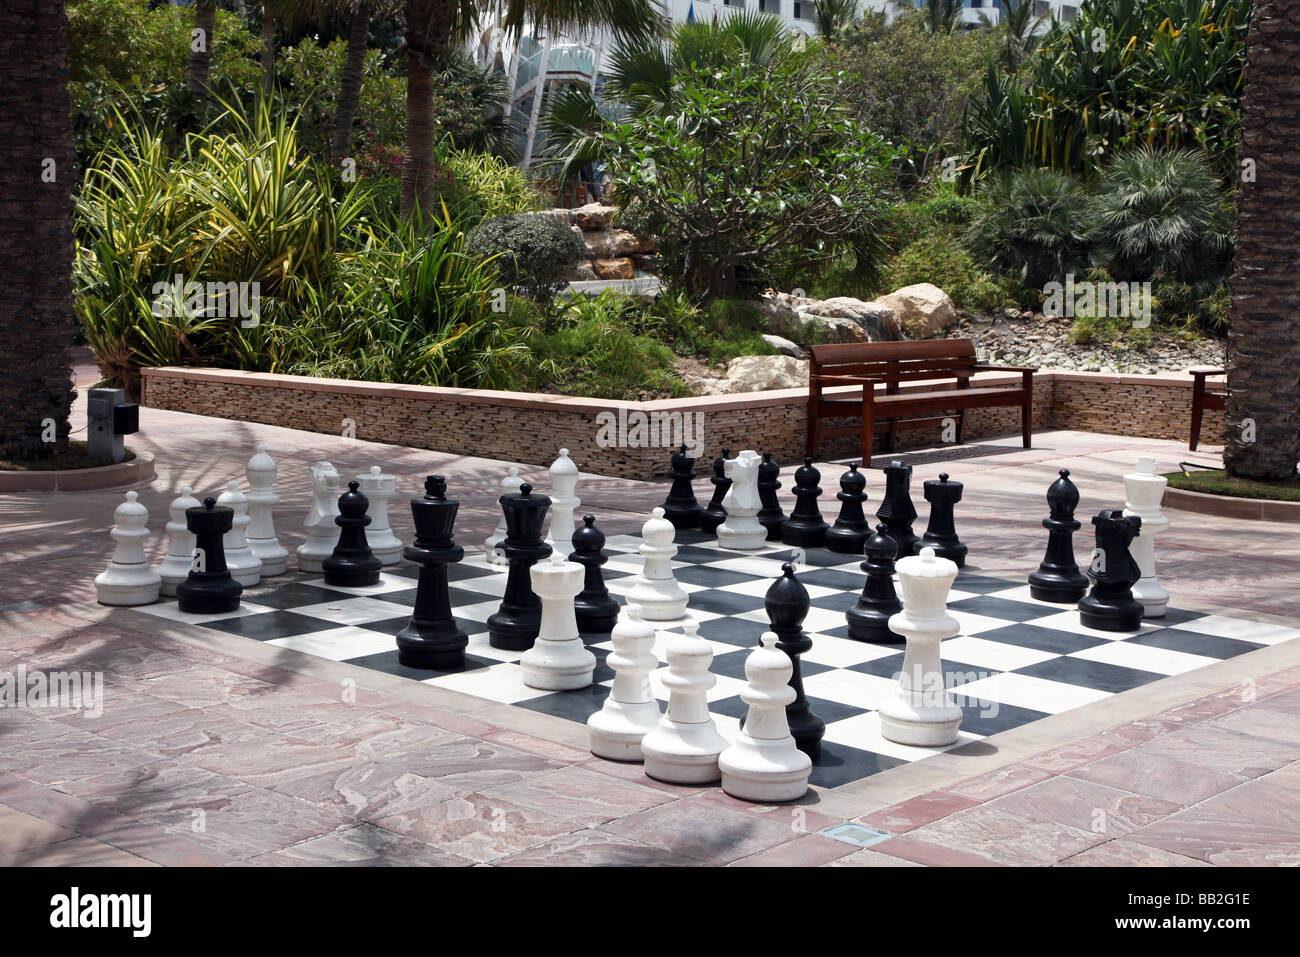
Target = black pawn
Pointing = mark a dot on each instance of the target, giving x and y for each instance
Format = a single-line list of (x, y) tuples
[(515, 624), (595, 610), (352, 563), (805, 527), (432, 639), (1110, 606), (770, 515), (714, 514), (787, 605), (1058, 578), (869, 618), (680, 507), (940, 534), (850, 530), (897, 511), (209, 589)]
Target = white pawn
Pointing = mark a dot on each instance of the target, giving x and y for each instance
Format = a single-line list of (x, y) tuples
[(379, 487), (655, 589), (176, 564), (631, 711), (322, 533), (742, 530), (684, 747), (921, 712), (492, 544), (260, 472), (245, 567), (1145, 490), (765, 764), (558, 660), (564, 483), (128, 579)]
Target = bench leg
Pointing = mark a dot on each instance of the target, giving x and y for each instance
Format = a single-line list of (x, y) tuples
[(1027, 423), (814, 431), (868, 434), (892, 437), (1196, 426), (961, 426)]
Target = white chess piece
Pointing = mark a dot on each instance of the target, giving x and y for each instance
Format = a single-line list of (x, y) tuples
[(765, 764), (379, 487), (245, 567), (631, 711), (564, 483), (558, 660), (492, 544), (742, 530), (1145, 490), (175, 566), (921, 712), (128, 579), (684, 747), (261, 471), (655, 589), (322, 533)]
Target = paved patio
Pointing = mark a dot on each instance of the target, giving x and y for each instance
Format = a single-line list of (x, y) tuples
[(216, 749)]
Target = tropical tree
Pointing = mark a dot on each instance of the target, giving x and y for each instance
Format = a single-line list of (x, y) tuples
[(268, 44), (1019, 32), (205, 27), (1263, 424), (36, 153), (432, 26), (834, 18), (940, 16), (353, 70)]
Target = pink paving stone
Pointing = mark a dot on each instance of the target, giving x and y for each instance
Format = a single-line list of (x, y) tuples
[(924, 809), (802, 816), (595, 847), (162, 847), (1202, 709), (1254, 825), (1159, 777), (1077, 753), (1013, 777), (540, 746), (931, 855), (477, 827), (1006, 836), (1124, 853), (580, 796), (1220, 749), (869, 858), (810, 851), (703, 830), (635, 771), (462, 724), (1085, 805)]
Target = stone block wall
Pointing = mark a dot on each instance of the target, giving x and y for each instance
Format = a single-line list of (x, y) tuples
[(635, 439)]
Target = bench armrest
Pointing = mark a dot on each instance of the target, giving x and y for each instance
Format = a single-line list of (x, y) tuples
[(1202, 373), (984, 368)]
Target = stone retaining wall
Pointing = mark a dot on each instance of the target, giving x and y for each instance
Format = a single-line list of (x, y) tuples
[(633, 439)]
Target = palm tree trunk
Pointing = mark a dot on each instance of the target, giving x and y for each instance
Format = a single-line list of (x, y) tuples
[(350, 83), (205, 24), (427, 32), (36, 318), (1263, 425), (268, 45)]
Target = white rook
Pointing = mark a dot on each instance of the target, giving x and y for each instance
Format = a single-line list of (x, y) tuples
[(630, 711), (261, 471), (378, 486), (921, 712), (558, 660), (1145, 491), (492, 544), (128, 580)]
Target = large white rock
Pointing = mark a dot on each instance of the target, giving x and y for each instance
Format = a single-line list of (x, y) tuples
[(876, 319), (760, 373), (783, 345), (922, 309)]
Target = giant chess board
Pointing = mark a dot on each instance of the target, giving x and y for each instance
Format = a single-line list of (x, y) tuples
[(1016, 659)]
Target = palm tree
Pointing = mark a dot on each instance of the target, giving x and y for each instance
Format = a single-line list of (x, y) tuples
[(1263, 424), (642, 79), (941, 16), (350, 80), (36, 152), (835, 17), (205, 24), (1020, 37), (268, 45), (432, 26)]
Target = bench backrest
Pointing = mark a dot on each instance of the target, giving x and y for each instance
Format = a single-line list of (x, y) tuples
[(894, 362)]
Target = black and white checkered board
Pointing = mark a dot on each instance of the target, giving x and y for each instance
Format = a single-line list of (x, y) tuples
[(1016, 659)]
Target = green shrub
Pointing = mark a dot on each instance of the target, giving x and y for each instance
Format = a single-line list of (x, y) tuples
[(535, 253), (1032, 225), (1162, 215), (310, 76), (943, 262)]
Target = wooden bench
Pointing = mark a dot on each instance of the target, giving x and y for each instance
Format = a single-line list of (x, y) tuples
[(1203, 398), (891, 364)]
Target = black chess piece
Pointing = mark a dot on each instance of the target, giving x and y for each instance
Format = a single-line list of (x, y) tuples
[(514, 626), (850, 531), (940, 533), (680, 507), (869, 618), (432, 639), (897, 511), (770, 515), (805, 527), (209, 588), (596, 611), (787, 604), (714, 513), (1110, 606), (1058, 578), (352, 564)]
